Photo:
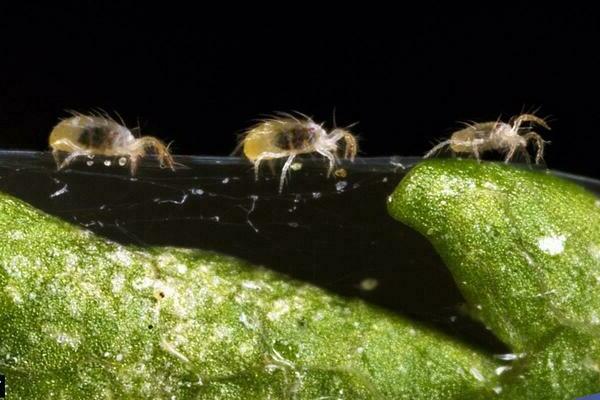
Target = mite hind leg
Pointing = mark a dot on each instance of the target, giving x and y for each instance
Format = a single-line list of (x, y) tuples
[(73, 149), (263, 157)]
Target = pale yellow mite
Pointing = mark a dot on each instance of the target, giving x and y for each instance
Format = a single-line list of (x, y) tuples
[(509, 138), (289, 136), (99, 135)]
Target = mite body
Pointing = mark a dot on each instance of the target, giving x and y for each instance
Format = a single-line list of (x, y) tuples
[(501, 136), (289, 136), (91, 135)]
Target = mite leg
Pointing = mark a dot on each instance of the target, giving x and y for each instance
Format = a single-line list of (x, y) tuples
[(437, 148), (265, 156), (540, 145), (162, 151), (351, 145), (284, 171), (525, 153), (510, 153), (475, 150), (74, 151), (516, 123), (70, 158), (331, 159)]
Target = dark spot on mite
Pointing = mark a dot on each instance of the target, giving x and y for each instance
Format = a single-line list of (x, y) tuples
[(150, 326), (97, 137), (295, 138), (162, 295)]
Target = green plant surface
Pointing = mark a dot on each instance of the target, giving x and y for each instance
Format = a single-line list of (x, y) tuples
[(524, 250), (82, 317)]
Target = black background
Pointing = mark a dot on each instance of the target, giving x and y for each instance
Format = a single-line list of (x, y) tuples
[(199, 77)]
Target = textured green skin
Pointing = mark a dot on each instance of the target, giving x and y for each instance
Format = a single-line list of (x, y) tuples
[(83, 318), (524, 249)]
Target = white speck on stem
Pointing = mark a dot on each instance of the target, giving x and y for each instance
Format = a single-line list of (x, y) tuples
[(248, 324), (280, 308), (508, 356), (118, 281), (341, 185), (169, 348), (61, 191), (502, 369), (250, 285), (552, 245), (477, 374)]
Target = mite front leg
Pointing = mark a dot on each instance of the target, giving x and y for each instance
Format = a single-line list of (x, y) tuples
[(331, 159), (284, 171), (518, 121), (540, 145), (437, 148), (351, 146), (162, 151)]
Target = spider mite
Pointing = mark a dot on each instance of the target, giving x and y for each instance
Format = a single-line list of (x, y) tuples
[(99, 134), (505, 137), (287, 136)]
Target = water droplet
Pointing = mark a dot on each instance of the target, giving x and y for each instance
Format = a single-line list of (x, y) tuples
[(122, 161), (107, 163)]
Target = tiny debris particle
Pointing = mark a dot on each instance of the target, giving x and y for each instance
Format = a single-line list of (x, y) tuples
[(119, 357), (341, 185), (369, 284), (107, 163), (250, 285), (296, 166), (341, 173), (507, 356), (89, 163), (552, 245), (118, 281), (225, 181), (197, 192), (59, 192), (502, 369)]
